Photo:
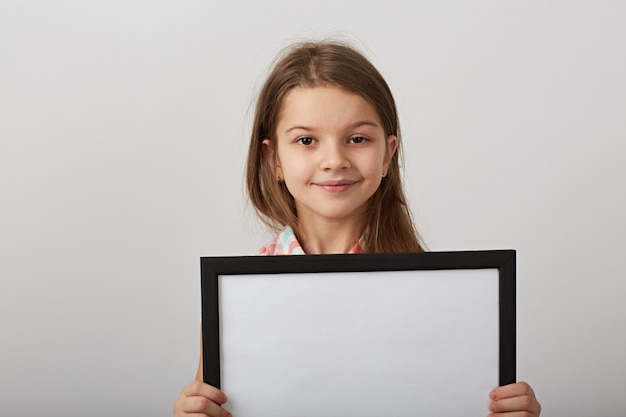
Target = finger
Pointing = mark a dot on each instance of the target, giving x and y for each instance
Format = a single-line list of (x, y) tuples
[(202, 406), (200, 389), (526, 405), (512, 390), (513, 414), (227, 414), (197, 407)]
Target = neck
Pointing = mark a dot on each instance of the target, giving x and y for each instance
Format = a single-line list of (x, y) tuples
[(327, 237)]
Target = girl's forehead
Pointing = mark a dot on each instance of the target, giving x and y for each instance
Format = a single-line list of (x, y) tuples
[(326, 104)]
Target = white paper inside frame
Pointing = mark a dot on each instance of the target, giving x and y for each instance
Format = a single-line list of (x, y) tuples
[(360, 344)]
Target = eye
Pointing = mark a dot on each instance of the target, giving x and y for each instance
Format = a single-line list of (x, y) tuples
[(306, 141), (358, 139)]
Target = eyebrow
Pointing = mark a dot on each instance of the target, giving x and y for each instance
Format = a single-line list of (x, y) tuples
[(352, 126)]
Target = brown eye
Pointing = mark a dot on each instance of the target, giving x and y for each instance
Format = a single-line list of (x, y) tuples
[(358, 139), (307, 141)]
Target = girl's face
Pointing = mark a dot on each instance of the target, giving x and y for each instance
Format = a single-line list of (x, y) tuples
[(331, 151)]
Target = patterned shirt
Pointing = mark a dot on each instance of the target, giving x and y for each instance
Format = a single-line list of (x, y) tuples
[(286, 243)]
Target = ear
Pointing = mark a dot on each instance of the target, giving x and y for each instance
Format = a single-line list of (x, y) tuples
[(392, 147), (271, 156)]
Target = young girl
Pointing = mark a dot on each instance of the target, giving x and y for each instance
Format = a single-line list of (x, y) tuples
[(323, 172)]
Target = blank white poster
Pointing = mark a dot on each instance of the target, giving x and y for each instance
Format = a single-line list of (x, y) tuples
[(360, 343)]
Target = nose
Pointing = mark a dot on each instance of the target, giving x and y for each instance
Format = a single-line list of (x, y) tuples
[(334, 157)]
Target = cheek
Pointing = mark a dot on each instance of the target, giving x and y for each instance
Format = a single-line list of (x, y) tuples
[(293, 171), (376, 165)]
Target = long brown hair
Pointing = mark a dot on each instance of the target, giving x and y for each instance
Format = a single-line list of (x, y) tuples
[(309, 64)]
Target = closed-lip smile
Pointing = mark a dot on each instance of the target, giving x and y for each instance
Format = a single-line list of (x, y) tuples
[(335, 185)]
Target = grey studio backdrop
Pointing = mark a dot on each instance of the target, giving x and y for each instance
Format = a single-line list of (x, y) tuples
[(123, 128)]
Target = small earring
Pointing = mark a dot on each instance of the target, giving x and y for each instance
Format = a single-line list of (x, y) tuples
[(279, 179), (384, 175)]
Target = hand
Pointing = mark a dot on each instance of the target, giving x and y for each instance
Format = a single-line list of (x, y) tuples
[(514, 400), (200, 399)]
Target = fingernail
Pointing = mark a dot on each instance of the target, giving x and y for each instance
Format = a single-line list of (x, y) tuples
[(492, 394)]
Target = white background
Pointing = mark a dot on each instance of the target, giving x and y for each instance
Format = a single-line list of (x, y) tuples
[(123, 128)]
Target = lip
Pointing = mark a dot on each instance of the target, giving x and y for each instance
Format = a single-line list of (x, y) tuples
[(335, 186)]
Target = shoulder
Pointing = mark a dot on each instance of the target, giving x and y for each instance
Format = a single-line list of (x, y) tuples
[(285, 243)]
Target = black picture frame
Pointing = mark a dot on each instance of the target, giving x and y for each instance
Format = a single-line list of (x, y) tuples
[(215, 270)]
